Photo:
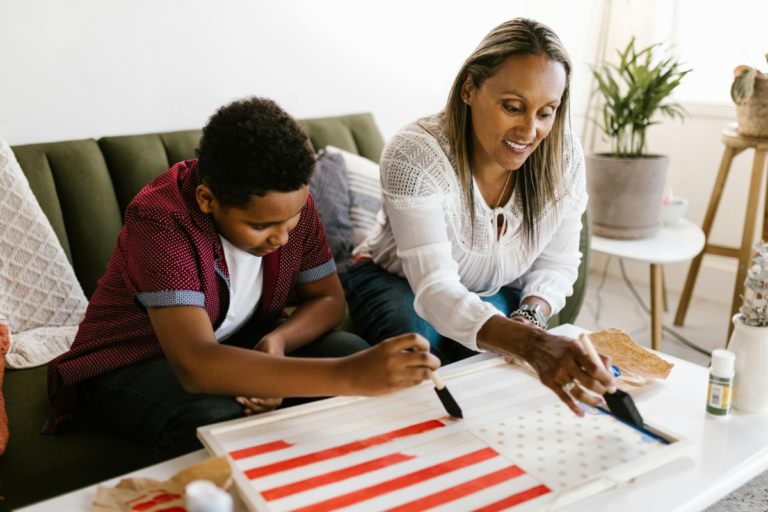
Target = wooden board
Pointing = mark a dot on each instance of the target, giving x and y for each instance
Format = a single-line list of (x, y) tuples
[(518, 448)]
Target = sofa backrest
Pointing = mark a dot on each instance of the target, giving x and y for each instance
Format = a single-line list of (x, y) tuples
[(84, 186)]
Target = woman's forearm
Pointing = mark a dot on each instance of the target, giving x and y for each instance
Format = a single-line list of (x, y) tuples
[(504, 336)]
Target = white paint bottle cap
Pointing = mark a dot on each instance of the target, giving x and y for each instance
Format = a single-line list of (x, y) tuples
[(204, 496), (722, 363)]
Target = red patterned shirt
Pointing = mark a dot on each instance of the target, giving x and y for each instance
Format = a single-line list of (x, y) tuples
[(170, 254)]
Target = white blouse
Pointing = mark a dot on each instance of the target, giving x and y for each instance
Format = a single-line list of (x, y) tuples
[(424, 234)]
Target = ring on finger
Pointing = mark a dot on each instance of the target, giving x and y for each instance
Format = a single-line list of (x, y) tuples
[(568, 387)]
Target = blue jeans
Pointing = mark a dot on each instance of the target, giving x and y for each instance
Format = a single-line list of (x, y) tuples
[(381, 305), (145, 400)]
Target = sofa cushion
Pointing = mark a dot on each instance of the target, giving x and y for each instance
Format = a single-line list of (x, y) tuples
[(87, 201), (37, 467), (357, 134), (330, 189)]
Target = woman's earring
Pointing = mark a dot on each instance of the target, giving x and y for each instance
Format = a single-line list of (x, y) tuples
[(464, 100)]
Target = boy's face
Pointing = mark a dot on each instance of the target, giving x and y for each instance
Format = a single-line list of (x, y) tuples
[(263, 226)]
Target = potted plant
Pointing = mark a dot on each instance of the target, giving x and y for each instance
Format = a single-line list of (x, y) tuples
[(626, 186), (750, 93), (749, 341)]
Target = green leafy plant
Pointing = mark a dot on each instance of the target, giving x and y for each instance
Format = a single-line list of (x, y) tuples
[(634, 90), (744, 82)]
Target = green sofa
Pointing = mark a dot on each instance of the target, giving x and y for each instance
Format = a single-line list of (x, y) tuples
[(83, 187)]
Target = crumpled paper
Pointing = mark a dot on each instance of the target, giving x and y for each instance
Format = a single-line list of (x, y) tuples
[(149, 495), (637, 365)]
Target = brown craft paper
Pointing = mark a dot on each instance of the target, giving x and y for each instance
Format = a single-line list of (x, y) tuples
[(637, 365), (149, 495)]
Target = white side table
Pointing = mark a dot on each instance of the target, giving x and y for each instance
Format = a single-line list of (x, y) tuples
[(672, 244)]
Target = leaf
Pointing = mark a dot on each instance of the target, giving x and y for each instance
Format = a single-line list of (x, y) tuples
[(743, 86), (740, 69)]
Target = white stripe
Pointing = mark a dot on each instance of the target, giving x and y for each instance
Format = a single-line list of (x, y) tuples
[(414, 447), (429, 487), (376, 477), (493, 494), (415, 396), (323, 439)]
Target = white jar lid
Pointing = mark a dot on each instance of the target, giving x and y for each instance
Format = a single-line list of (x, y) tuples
[(204, 496), (722, 363)]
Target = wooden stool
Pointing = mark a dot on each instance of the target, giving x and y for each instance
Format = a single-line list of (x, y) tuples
[(734, 144)]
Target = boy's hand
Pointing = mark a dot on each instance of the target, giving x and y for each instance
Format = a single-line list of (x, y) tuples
[(389, 366), (270, 345)]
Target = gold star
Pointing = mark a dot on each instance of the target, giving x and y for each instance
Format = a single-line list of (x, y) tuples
[(623, 460), (482, 430), (580, 444), (539, 429), (622, 450), (541, 470), (501, 433), (597, 428), (539, 412), (520, 455), (583, 476), (519, 446), (561, 473), (501, 442), (600, 446), (578, 434), (603, 467), (583, 465), (581, 454), (578, 424), (557, 406), (520, 435), (642, 452), (558, 414), (560, 451), (561, 462), (562, 484), (540, 420), (559, 431), (599, 437), (540, 448), (502, 424), (603, 457), (558, 423), (540, 459), (559, 440)]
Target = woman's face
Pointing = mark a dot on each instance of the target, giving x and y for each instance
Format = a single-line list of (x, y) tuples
[(514, 110)]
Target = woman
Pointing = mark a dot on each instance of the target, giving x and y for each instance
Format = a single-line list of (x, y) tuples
[(478, 237)]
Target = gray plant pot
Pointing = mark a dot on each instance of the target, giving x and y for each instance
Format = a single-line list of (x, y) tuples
[(625, 194)]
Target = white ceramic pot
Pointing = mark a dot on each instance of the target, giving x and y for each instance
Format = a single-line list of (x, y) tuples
[(750, 383)]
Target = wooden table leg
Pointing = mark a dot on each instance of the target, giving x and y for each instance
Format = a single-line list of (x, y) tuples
[(748, 236), (656, 307), (709, 218)]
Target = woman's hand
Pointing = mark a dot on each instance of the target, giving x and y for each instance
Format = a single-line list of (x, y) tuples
[(275, 346), (559, 361), (396, 363)]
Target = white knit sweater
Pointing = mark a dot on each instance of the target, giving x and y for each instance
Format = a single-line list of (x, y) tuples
[(424, 234)]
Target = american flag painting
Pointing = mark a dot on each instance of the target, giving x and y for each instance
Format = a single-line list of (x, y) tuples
[(400, 452)]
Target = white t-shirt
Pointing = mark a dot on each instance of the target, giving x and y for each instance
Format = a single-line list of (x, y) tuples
[(245, 284)]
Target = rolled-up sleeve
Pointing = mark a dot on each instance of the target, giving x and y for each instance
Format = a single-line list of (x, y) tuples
[(161, 266), (316, 258)]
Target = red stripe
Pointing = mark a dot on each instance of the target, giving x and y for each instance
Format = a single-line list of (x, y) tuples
[(336, 476), (338, 451), (368, 493), (465, 489), (515, 499), (258, 450)]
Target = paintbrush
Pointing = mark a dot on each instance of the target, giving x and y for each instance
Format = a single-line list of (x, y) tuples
[(445, 396), (619, 402)]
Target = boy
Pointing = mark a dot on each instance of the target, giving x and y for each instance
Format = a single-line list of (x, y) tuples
[(200, 275)]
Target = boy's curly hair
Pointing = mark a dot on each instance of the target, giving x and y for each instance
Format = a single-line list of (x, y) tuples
[(253, 147)]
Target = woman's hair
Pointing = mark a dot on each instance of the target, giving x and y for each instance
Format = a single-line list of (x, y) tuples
[(540, 177)]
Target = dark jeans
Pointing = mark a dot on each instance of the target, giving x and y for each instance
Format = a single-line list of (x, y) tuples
[(381, 305), (145, 400)]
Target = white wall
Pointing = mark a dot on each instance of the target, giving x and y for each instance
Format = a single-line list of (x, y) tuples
[(89, 68), (694, 145)]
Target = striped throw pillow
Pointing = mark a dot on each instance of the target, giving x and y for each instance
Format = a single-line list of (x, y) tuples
[(330, 190), (364, 192)]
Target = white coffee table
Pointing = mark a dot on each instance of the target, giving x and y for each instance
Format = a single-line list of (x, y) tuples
[(728, 452), (672, 244)]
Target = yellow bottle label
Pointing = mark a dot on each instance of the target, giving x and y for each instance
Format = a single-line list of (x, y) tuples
[(719, 396)]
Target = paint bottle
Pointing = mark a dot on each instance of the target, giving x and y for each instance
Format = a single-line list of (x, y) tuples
[(204, 496), (720, 383)]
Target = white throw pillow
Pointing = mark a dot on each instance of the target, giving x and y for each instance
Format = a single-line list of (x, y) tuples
[(39, 293), (364, 192)]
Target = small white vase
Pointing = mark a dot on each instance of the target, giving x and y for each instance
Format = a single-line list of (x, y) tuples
[(750, 384)]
